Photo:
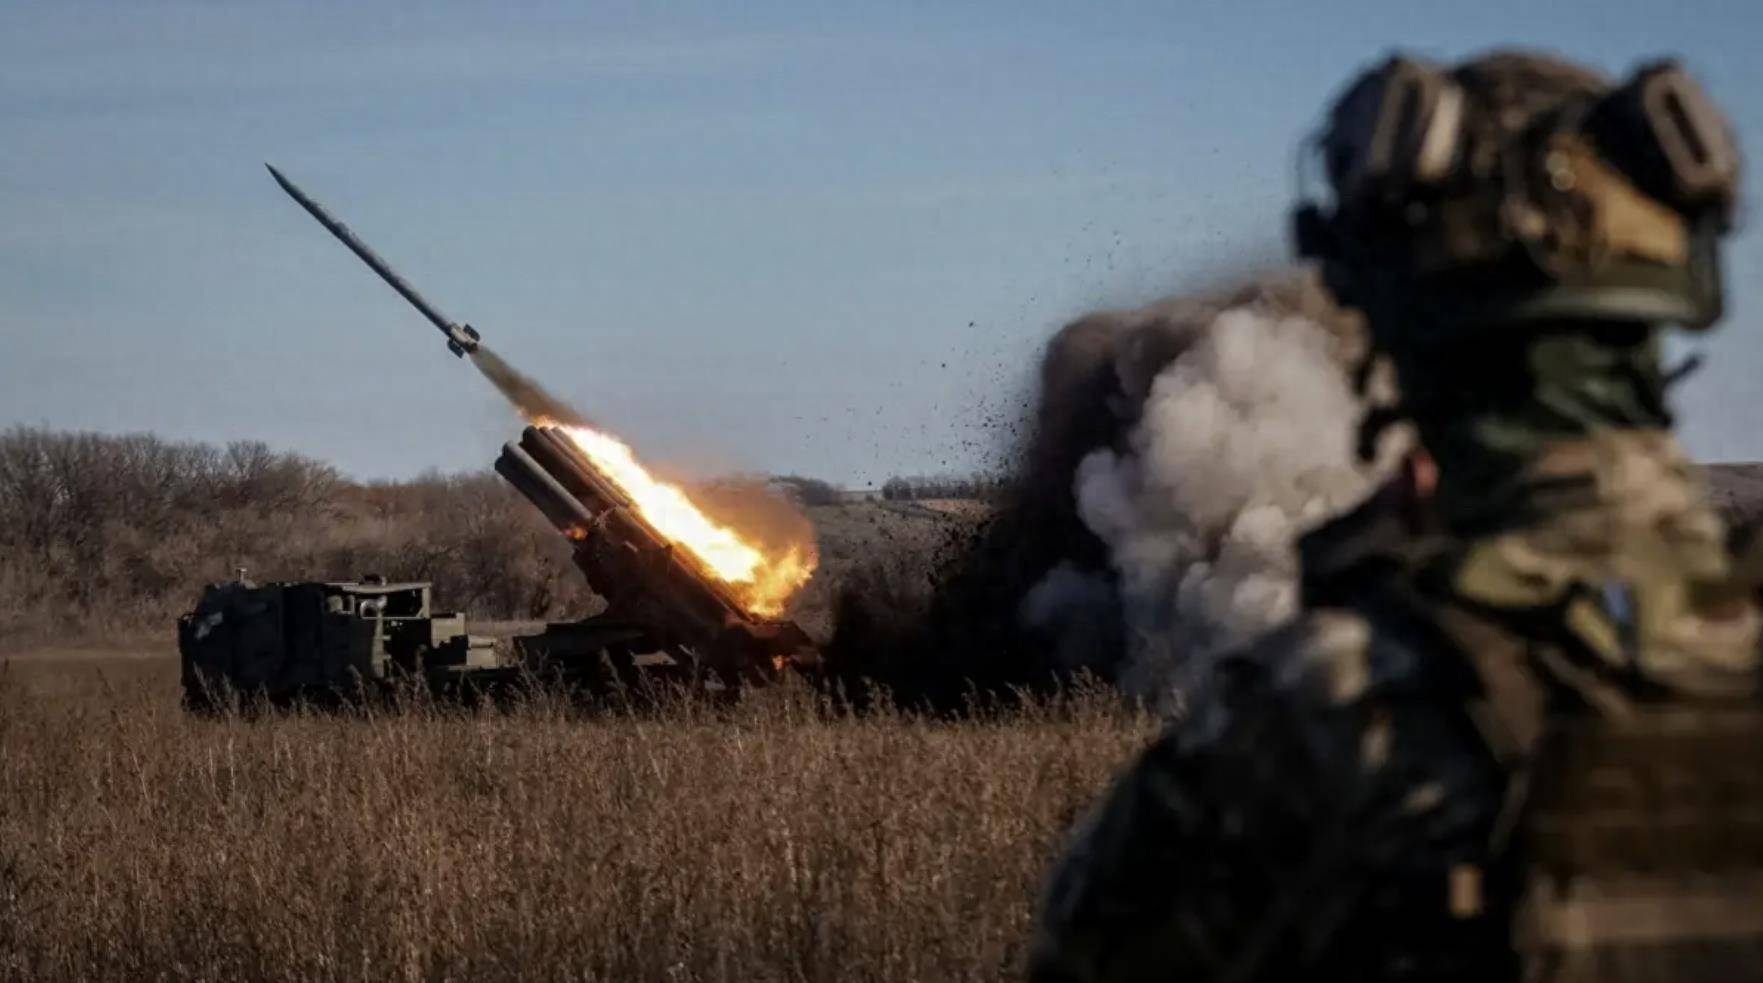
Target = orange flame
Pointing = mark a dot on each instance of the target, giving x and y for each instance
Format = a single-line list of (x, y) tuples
[(763, 583)]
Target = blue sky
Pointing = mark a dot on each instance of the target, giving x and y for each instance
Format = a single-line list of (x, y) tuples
[(782, 236)]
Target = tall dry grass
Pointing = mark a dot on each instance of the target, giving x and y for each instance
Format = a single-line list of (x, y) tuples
[(770, 840)]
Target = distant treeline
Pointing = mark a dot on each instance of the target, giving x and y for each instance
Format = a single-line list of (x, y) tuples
[(978, 486), (105, 534), (118, 533)]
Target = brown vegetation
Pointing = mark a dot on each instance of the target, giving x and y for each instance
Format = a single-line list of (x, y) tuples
[(106, 536), (767, 841), (773, 839)]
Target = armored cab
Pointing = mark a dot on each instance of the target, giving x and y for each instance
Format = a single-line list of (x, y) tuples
[(319, 641)]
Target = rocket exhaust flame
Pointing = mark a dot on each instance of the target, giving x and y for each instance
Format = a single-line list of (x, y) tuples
[(763, 580), (762, 583)]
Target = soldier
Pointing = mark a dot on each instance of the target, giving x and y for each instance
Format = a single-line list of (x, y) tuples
[(1515, 730)]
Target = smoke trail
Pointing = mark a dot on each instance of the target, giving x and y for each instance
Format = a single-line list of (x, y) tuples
[(532, 400), (1177, 450)]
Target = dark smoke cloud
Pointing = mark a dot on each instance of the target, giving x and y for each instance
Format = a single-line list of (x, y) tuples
[(1175, 451)]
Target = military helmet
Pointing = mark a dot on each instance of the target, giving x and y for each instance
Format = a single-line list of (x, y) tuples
[(1518, 188)]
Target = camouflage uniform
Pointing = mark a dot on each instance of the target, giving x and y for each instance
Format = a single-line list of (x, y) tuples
[(1514, 732)]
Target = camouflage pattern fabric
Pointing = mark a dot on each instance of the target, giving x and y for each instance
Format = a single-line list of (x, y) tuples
[(1344, 801), (1631, 556), (1291, 824)]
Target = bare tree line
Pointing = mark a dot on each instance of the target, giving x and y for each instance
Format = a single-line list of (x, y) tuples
[(982, 487), (117, 533), (101, 532)]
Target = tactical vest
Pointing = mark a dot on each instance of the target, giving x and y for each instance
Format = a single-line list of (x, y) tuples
[(1631, 849), (1643, 848), (1633, 845)]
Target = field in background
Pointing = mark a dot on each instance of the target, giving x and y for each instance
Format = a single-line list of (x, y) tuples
[(768, 841), (773, 840)]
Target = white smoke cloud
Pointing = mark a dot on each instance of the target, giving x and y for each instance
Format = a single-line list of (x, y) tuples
[(1244, 439)]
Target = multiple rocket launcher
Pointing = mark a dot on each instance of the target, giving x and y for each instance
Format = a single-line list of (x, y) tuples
[(647, 580)]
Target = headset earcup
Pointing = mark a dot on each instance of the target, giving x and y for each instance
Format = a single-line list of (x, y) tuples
[(1665, 134)]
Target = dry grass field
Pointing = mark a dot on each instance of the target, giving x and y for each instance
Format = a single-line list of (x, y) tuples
[(772, 840)]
